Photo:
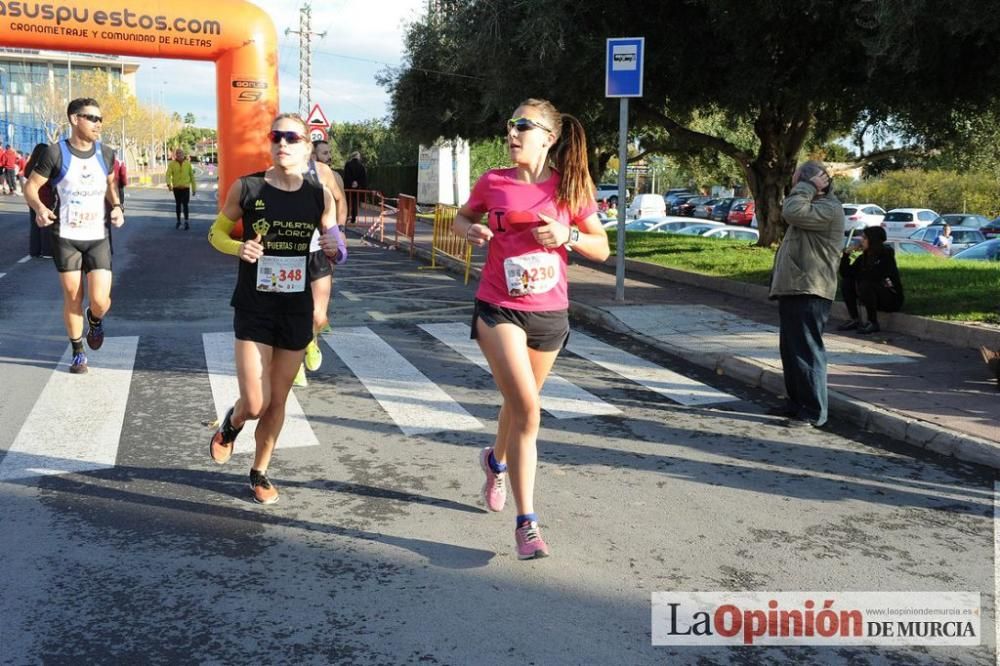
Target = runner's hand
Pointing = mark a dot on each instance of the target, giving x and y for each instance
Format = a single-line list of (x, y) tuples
[(252, 250), (552, 234), (478, 234), (117, 216), (44, 217)]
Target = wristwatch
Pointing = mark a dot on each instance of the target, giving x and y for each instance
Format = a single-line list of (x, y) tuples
[(574, 238)]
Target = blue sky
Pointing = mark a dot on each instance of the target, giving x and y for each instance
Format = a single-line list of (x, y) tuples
[(361, 36)]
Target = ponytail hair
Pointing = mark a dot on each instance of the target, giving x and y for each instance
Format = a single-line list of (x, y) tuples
[(569, 155), (575, 188)]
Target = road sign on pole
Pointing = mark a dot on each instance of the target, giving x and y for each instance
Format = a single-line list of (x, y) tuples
[(317, 118), (623, 79)]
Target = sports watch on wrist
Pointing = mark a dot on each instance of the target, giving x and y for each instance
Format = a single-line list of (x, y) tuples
[(574, 238)]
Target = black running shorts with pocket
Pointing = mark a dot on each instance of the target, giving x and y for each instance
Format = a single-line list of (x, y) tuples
[(76, 255), (282, 330), (319, 266), (547, 330)]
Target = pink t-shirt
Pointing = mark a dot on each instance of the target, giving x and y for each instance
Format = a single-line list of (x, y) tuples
[(519, 273)]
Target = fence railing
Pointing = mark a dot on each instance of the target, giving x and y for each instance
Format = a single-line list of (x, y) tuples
[(446, 242), (406, 220), (366, 210)]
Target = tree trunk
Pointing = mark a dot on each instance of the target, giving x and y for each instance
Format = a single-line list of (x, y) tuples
[(769, 175)]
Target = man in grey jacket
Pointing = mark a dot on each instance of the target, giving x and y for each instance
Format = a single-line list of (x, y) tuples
[(804, 281)]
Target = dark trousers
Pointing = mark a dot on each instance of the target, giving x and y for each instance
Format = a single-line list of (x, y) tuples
[(11, 176), (872, 296), (39, 240), (803, 357), (182, 196)]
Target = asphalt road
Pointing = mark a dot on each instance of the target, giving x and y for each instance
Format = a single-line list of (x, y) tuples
[(125, 544)]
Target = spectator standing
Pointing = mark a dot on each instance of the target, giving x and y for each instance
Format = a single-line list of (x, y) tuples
[(39, 238), (355, 178), (8, 167), (804, 281)]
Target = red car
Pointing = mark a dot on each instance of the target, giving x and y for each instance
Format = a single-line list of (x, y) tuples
[(991, 230), (742, 213)]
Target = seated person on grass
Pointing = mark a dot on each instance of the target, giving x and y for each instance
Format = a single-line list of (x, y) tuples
[(872, 279)]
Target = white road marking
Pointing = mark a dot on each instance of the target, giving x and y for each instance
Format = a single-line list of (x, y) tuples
[(25, 259), (666, 382), (296, 432), (2, 274), (350, 295), (414, 402), (76, 423), (560, 398)]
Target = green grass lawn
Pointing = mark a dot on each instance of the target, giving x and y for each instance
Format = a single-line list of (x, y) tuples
[(933, 286)]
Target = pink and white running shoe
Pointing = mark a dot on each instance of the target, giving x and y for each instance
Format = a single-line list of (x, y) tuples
[(495, 486), (530, 545)]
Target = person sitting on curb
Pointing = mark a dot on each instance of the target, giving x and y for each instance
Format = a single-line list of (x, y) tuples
[(873, 279)]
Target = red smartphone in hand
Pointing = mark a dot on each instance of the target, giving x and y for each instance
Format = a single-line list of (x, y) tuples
[(520, 220)]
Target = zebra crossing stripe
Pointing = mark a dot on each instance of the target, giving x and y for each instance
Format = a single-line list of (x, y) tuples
[(414, 402), (560, 398), (296, 433), (76, 423), (677, 387)]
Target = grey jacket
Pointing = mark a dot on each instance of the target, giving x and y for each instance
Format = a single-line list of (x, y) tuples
[(807, 261)]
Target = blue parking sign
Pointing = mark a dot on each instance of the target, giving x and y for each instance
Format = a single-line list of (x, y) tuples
[(624, 67)]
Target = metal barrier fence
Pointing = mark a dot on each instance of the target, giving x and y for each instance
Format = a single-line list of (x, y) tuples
[(406, 220), (447, 242), (366, 209)]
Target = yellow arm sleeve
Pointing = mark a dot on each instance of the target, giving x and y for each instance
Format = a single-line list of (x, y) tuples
[(218, 236)]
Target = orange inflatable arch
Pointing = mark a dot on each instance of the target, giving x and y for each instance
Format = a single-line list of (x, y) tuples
[(238, 36)]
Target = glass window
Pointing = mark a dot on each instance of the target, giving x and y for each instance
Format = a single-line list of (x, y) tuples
[(899, 217), (850, 210), (913, 248), (926, 216)]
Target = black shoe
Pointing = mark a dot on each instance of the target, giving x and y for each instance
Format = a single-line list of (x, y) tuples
[(178, 225), (869, 328), (849, 325), (187, 227)]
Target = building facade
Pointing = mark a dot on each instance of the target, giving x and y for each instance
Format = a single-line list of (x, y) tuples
[(37, 85)]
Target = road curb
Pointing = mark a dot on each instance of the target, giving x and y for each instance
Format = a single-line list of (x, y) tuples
[(953, 334), (916, 432), (922, 434)]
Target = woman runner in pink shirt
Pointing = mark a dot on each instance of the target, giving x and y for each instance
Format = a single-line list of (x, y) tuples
[(534, 214)]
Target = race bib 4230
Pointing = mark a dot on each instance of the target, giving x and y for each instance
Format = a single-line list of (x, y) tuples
[(534, 273)]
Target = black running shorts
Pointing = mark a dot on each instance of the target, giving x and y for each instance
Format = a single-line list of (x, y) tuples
[(319, 265), (546, 330), (284, 330), (74, 255)]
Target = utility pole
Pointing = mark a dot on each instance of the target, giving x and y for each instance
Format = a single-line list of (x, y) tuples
[(305, 34)]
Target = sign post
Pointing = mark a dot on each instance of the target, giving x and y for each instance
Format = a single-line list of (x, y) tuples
[(317, 124), (623, 80)]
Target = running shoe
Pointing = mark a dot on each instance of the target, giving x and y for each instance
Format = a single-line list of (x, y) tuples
[(79, 365), (95, 334), (264, 492), (314, 356), (300, 377), (224, 439), (530, 545), (187, 227), (495, 486)]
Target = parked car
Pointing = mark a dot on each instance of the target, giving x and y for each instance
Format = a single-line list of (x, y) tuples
[(680, 200), (675, 192), (645, 223), (720, 212), (646, 205), (608, 190), (961, 237), (901, 222), (861, 215), (733, 233), (704, 210), (986, 251), (698, 228), (962, 220), (674, 225), (991, 230), (742, 213), (687, 207), (907, 246)]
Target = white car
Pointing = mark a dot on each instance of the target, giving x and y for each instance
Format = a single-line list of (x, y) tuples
[(861, 215), (732, 232), (901, 222), (607, 190), (647, 205)]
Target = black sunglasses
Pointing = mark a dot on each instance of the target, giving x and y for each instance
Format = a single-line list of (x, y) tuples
[(289, 136), (91, 117), (523, 124)]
